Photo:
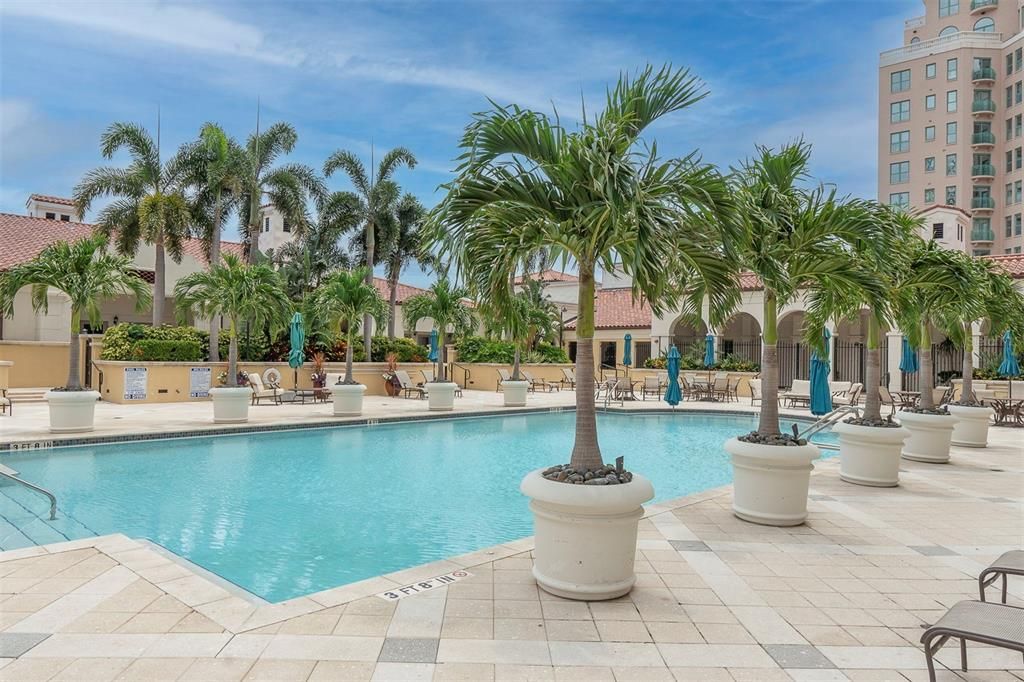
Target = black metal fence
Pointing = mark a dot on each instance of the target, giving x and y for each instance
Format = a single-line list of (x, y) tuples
[(849, 361), (742, 349), (794, 362)]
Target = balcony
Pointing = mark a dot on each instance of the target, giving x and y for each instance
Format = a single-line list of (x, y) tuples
[(979, 6), (983, 170), (963, 39), (983, 139), (985, 73), (983, 107), (983, 203), (982, 234)]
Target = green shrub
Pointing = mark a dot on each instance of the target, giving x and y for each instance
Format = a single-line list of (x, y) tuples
[(552, 354), (479, 349), (165, 350), (407, 350), (119, 341)]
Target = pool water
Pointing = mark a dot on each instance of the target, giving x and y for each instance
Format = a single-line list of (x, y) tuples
[(289, 513)]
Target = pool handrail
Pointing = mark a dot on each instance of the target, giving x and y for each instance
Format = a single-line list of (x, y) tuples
[(35, 488)]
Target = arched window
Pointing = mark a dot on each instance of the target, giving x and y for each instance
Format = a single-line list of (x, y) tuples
[(985, 25), (915, 40), (948, 31)]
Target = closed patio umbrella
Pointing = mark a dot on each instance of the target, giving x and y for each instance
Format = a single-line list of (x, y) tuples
[(433, 355), (627, 351), (297, 337), (673, 394), (1009, 367), (908, 360), (821, 395), (709, 351)]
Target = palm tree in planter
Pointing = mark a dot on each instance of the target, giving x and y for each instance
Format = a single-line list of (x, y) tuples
[(87, 274), (236, 292), (995, 299), (446, 305), (592, 196), (345, 300), (797, 240), (511, 314)]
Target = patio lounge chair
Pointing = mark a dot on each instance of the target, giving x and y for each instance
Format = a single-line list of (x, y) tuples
[(997, 625), (503, 376), (568, 378), (1010, 563), (407, 387), (542, 383), (850, 397), (887, 400), (839, 387), (428, 376), (261, 392), (5, 403), (652, 386), (799, 392), (755, 391)]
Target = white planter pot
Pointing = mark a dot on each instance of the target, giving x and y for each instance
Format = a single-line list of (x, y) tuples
[(770, 481), (929, 438), (515, 392), (971, 429), (441, 396), (231, 404), (348, 399), (72, 411), (585, 535), (870, 455)]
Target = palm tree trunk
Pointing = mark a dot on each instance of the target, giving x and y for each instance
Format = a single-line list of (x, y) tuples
[(233, 356), (442, 355), (873, 377), (254, 223), (967, 378), (768, 425), (393, 301), (586, 453), (515, 363), (73, 382), (349, 342), (368, 319), (927, 374), (159, 287), (215, 261)]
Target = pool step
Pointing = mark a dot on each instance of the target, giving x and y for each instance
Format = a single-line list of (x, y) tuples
[(24, 521)]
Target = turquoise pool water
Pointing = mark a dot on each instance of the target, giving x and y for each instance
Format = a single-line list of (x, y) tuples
[(289, 513)]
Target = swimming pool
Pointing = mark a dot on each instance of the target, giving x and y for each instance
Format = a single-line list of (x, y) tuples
[(289, 513)]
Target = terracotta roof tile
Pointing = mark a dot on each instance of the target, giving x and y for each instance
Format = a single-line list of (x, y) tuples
[(548, 276), (749, 282), (52, 200), (1011, 264), (615, 309), (404, 291)]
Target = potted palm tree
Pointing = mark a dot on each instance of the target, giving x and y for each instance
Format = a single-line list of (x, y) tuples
[(510, 313), (797, 240), (592, 196), (345, 299), (446, 305), (87, 274), (236, 292)]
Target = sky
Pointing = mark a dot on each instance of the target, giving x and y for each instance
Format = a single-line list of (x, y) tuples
[(360, 75)]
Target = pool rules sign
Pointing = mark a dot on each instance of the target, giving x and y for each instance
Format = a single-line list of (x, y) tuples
[(135, 379)]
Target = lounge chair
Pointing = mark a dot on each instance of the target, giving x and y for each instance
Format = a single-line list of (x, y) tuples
[(260, 391), (5, 403), (568, 378), (542, 383), (428, 376), (839, 387), (407, 387), (799, 392), (503, 376), (887, 400), (1010, 563), (997, 625), (652, 386), (850, 397), (755, 390), (607, 387)]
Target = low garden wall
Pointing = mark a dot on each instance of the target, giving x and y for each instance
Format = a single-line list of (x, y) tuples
[(37, 364), (1000, 387), (483, 376)]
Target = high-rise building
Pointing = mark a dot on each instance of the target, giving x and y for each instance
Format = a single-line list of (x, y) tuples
[(951, 123)]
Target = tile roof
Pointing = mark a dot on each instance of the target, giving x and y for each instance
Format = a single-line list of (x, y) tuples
[(615, 309), (52, 200), (1011, 264), (404, 291), (548, 276), (750, 282), (23, 237)]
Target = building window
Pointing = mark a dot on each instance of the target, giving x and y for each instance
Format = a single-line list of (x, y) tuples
[(937, 229), (1016, 224), (929, 196), (51, 216), (1009, 64), (959, 232), (985, 25), (899, 172), (1018, 58), (1018, 159), (929, 70), (65, 217), (950, 164), (948, 7), (951, 66), (1009, 128), (1009, 193), (899, 200), (1017, 190), (1009, 161), (899, 142), (1018, 92), (929, 133), (1009, 96), (982, 252), (899, 81), (951, 101), (1018, 125), (948, 31), (929, 102), (286, 226), (951, 132), (950, 195), (899, 111), (929, 164), (1009, 225)]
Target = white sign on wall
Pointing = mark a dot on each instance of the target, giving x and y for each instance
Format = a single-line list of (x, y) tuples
[(135, 379), (199, 382)]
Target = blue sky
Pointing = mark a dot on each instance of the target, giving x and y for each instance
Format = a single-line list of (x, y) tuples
[(411, 73)]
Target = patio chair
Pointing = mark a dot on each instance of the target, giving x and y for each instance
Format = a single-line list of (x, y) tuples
[(503, 376), (720, 388), (850, 397), (606, 386), (407, 387), (1010, 563), (261, 392), (941, 395), (887, 400), (799, 392), (428, 376), (652, 386), (839, 387), (997, 625), (5, 403), (541, 383), (569, 378), (732, 394), (755, 391)]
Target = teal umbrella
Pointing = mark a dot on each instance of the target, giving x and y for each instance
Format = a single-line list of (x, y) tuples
[(709, 351), (673, 394), (908, 360), (297, 336), (432, 356), (627, 350), (821, 395), (1009, 367)]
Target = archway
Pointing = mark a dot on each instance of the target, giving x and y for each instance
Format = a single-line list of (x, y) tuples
[(740, 338), (687, 337), (794, 355)]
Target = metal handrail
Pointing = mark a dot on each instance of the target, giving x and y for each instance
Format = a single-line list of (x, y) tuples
[(828, 420), (465, 373), (34, 487)]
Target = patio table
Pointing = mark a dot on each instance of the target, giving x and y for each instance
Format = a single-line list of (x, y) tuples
[(907, 398), (1007, 412)]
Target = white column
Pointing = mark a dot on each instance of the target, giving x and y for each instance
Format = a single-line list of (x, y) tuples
[(976, 337), (895, 351), (833, 339)]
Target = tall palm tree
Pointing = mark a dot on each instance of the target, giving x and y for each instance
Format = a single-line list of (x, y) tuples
[(238, 292), (798, 240), (542, 313), (306, 261), (404, 248), (376, 198), (150, 204), (87, 274), (287, 186), (344, 299), (446, 305), (591, 196)]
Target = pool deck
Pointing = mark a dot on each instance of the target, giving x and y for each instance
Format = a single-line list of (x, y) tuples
[(840, 598)]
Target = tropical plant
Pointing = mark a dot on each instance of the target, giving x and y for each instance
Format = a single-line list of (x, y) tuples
[(543, 316), (87, 274), (797, 239), (446, 306), (238, 292), (287, 186), (403, 248), (592, 196), (375, 200), (304, 262), (150, 204), (346, 300)]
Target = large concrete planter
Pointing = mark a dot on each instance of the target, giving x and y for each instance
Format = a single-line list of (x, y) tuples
[(971, 428), (441, 395), (72, 411), (585, 536), (231, 404), (348, 399), (930, 435), (870, 455), (515, 392), (770, 482)]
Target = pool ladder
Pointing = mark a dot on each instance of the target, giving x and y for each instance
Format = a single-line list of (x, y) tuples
[(33, 487), (828, 420)]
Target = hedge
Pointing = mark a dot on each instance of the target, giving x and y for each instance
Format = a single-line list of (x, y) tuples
[(479, 349), (164, 350), (119, 341)]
